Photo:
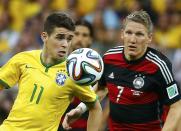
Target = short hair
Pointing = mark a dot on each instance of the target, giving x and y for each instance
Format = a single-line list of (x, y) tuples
[(140, 17), (58, 19), (83, 22)]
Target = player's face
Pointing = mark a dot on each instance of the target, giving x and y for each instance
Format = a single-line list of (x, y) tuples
[(82, 38), (58, 42), (136, 39)]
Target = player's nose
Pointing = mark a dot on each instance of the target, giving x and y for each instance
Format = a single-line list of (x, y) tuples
[(133, 39), (64, 43)]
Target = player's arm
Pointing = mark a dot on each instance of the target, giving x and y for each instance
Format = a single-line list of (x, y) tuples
[(104, 119), (173, 119), (74, 114), (10, 72), (170, 95), (101, 93), (94, 119)]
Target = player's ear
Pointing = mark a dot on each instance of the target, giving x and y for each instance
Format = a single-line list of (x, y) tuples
[(44, 36)]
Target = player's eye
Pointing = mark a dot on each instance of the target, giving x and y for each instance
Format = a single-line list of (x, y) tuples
[(60, 37), (139, 34), (69, 38), (85, 35), (128, 32), (77, 33)]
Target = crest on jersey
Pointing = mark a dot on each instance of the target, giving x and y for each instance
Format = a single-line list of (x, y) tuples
[(138, 82), (60, 79)]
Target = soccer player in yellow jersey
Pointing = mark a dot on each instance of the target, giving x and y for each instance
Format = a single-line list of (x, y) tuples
[(45, 90)]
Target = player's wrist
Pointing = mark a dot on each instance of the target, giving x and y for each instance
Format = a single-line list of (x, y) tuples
[(82, 107)]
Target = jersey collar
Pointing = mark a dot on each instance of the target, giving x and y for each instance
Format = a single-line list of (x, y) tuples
[(50, 65)]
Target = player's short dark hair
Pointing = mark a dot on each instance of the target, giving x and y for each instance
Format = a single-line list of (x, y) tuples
[(58, 19), (85, 23), (141, 17)]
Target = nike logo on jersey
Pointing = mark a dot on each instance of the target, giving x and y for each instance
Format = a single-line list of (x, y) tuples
[(111, 75), (27, 66)]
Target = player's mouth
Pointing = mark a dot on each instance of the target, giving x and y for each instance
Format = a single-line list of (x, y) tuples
[(131, 48), (61, 53)]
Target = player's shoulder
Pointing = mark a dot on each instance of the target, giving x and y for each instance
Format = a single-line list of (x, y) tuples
[(32, 52), (25, 54), (114, 50), (157, 56)]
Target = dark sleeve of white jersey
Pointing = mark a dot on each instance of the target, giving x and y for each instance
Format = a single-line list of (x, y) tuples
[(169, 91)]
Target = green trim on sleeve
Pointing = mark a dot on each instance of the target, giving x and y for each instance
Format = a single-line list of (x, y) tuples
[(91, 104), (4, 84)]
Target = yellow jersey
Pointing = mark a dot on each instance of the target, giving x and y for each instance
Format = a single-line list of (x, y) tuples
[(45, 92)]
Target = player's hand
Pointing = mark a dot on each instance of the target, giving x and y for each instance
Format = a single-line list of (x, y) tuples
[(70, 117)]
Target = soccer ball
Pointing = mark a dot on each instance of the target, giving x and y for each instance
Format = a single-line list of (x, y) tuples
[(84, 66)]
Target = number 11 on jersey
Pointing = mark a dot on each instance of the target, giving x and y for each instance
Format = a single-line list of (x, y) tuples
[(39, 95), (120, 88)]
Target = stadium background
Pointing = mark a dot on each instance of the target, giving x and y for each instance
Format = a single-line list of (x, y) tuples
[(21, 25)]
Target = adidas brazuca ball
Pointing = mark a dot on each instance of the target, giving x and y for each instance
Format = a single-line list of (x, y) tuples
[(84, 66)]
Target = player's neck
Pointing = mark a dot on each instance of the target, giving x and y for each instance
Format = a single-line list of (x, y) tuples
[(48, 60), (45, 58), (133, 58)]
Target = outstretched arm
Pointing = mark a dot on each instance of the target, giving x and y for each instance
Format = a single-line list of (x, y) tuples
[(94, 119), (70, 117), (173, 119), (74, 114), (93, 123), (104, 120)]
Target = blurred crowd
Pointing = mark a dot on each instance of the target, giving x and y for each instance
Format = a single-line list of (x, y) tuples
[(21, 25)]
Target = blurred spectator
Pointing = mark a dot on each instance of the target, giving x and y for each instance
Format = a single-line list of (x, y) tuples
[(106, 23), (21, 11), (8, 37), (26, 42)]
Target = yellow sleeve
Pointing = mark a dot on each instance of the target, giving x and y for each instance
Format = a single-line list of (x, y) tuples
[(84, 93), (10, 73)]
